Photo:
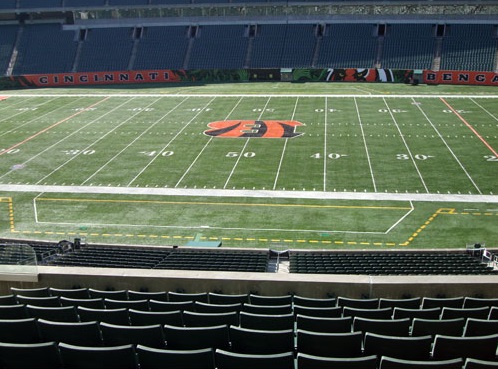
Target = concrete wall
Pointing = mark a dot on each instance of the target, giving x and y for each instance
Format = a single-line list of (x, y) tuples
[(318, 286)]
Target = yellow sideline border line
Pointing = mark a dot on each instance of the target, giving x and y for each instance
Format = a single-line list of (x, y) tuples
[(440, 211)]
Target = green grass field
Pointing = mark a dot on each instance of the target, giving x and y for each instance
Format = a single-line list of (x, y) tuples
[(253, 165)]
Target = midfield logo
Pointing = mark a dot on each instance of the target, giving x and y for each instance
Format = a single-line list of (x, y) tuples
[(254, 128)]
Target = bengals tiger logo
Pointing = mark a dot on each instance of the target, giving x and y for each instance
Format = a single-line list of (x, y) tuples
[(254, 128)]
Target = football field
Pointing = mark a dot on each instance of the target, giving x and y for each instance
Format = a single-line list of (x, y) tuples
[(266, 165)]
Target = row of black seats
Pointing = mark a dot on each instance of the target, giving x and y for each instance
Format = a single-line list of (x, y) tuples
[(52, 355), (144, 258), (251, 298), (387, 263), (347, 350)]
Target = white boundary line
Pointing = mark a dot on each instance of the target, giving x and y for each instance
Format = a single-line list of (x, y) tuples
[(242, 152), (207, 143), (316, 195), (365, 145), (284, 148), (402, 218), (407, 147), (338, 95), (449, 148)]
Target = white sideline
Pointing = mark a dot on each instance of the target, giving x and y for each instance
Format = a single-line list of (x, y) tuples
[(320, 195), (338, 94)]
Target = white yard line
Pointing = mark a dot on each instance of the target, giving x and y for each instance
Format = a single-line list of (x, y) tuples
[(483, 108), (61, 140), (325, 146), (160, 152), (407, 147), (316, 195), (32, 120), (70, 135), (206, 145), (244, 148), (127, 146), (365, 146), (449, 148), (284, 149)]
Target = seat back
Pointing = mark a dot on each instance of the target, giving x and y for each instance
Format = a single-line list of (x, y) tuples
[(432, 302), (49, 301), (147, 335), (152, 358), (115, 295), (305, 361), (75, 293), (180, 297), (17, 311), (478, 347), (233, 360), (7, 300), (96, 303), (19, 331), (139, 295), (252, 341), (171, 306), (329, 344), (133, 304), (402, 313), (111, 316), (312, 302), (393, 363), (394, 327), (138, 317), (194, 338), (81, 333), (225, 299), (84, 357), (480, 327), (266, 322), (474, 302), (450, 327), (324, 325), (267, 309), (270, 300), (409, 303), (58, 314), (408, 348), (202, 307), (384, 313), (358, 303), (454, 313), (31, 292), (479, 364), (33, 356), (325, 312), (191, 319)]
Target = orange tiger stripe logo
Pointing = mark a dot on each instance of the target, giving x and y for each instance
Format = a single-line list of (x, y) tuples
[(254, 128)]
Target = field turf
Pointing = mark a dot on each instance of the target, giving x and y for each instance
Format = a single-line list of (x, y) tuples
[(252, 165)]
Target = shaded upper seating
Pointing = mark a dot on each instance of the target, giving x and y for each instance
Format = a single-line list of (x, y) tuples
[(83, 3), (468, 47), (38, 4), (45, 48), (348, 46), (8, 4), (162, 48), (223, 45), (7, 39), (106, 49), (408, 46)]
